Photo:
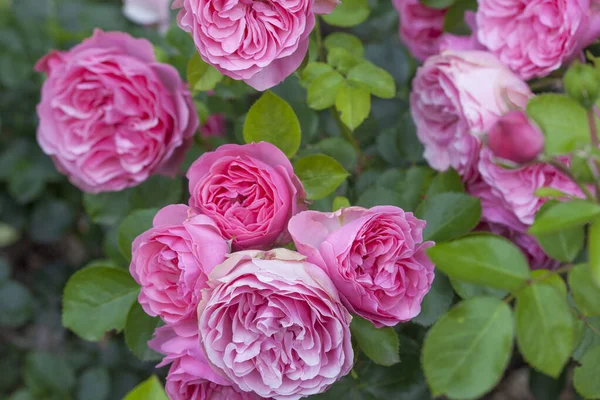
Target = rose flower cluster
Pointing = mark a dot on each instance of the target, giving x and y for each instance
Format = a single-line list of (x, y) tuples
[(469, 96), (247, 320)]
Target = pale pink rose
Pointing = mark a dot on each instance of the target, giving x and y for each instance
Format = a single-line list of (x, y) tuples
[(517, 187), (533, 37), (258, 42), (171, 261), (420, 27), (111, 115), (375, 257), (274, 325), (190, 376), (214, 126), (516, 138), (148, 12), (249, 190), (456, 97)]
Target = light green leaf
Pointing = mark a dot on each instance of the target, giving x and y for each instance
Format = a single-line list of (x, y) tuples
[(139, 329), (201, 76), (349, 13), (563, 245), (565, 215), (272, 119), (323, 89), (585, 293), (376, 80), (339, 202), (320, 175), (444, 182), (132, 226), (466, 351), (150, 389), (589, 337), (449, 215), (594, 251), (313, 70), (545, 327), (585, 378), (96, 300), (354, 104), (483, 259), (8, 235), (380, 345), (346, 41), (557, 114), (342, 60), (550, 192), (436, 302)]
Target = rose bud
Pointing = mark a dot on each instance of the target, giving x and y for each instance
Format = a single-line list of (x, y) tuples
[(516, 138)]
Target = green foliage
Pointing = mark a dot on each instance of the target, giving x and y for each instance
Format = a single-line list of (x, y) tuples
[(437, 301), (17, 304), (136, 223), (346, 41), (323, 89), (320, 175), (46, 373), (586, 376), (449, 215), (354, 104), (441, 4), (585, 293), (381, 345), (340, 202), (565, 215), (139, 329), (594, 250), (454, 21), (348, 13), (151, 389), (202, 76)]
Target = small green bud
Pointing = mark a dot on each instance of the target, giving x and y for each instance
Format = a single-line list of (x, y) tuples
[(582, 83)]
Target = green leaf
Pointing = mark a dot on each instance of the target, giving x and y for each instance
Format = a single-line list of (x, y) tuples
[(96, 300), (150, 389), (436, 302), (17, 304), (5, 270), (272, 119), (348, 13), (557, 114), (8, 235), (441, 4), (346, 41), (342, 60), (468, 290), (201, 76), (454, 20), (47, 373), (354, 104), (314, 70), (594, 250), (380, 345), (341, 150), (377, 80), (139, 329), (134, 225), (545, 327), (449, 215), (108, 208), (585, 378), (50, 220), (339, 202), (320, 175), (94, 384), (544, 387), (157, 192), (565, 215), (550, 192), (444, 182), (323, 90), (589, 338), (563, 245), (585, 293), (483, 259), (466, 351)]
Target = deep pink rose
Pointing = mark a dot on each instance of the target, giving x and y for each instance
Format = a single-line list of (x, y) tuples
[(375, 257), (456, 96), (214, 126), (517, 187), (171, 261), (420, 27), (260, 42), (516, 138), (111, 115), (533, 37), (274, 325), (190, 377), (249, 190)]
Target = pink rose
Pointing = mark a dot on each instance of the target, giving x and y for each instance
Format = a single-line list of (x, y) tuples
[(517, 187), (274, 325), (420, 27), (214, 126), (148, 12), (171, 261), (111, 115), (516, 138), (534, 37), (250, 191), (258, 42), (190, 377), (456, 96), (376, 259)]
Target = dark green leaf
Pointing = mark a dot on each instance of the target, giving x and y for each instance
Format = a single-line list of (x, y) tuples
[(449, 215), (563, 245), (50, 220), (5, 270), (445, 182), (139, 329), (454, 20), (341, 150), (320, 175), (565, 215), (134, 225), (47, 373), (585, 293), (544, 387), (468, 290), (94, 384), (157, 192), (436, 302), (441, 4), (17, 304), (108, 208), (380, 345), (585, 378)]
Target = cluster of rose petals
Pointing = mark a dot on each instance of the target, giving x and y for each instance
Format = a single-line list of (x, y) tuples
[(171, 262), (456, 96), (421, 27), (214, 126), (260, 42), (111, 115), (532, 37), (274, 325), (375, 257), (250, 191)]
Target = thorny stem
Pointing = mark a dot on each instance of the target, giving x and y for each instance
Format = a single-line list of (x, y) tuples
[(564, 268), (562, 168)]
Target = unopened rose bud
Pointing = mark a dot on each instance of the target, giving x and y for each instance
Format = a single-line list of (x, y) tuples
[(582, 83), (516, 138)]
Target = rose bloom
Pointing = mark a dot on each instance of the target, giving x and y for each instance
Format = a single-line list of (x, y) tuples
[(190, 377), (172, 259), (148, 12), (456, 96), (111, 115), (274, 325), (259, 42), (420, 27), (533, 37), (250, 191), (375, 257), (214, 126), (517, 187)]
